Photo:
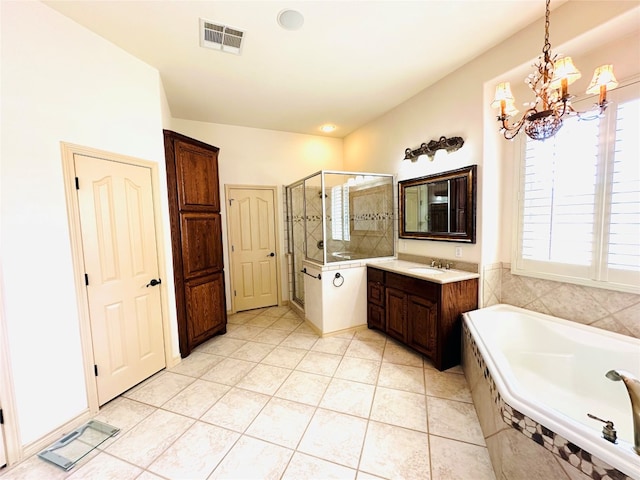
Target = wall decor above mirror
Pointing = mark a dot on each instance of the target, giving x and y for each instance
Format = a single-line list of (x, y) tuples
[(439, 207)]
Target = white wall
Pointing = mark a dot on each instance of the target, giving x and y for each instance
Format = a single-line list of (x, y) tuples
[(59, 83), (251, 156), (458, 105)]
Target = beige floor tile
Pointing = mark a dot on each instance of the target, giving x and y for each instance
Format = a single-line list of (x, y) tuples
[(124, 414), (299, 340), (161, 389), (304, 388), (284, 357), (276, 312), (401, 377), (395, 452), (236, 410), (305, 329), (229, 371), (196, 364), (403, 409), (252, 351), (270, 336), (105, 466), (455, 420), (241, 318), (196, 399), (288, 324), (305, 467), (365, 349), (262, 320), (221, 345), (149, 476), (319, 363), (146, 441), (370, 335), (452, 460), (349, 397), (196, 453), (264, 379), (333, 345), (358, 369), (282, 422), (451, 386), (345, 431), (399, 354), (253, 459), (243, 332), (366, 476)]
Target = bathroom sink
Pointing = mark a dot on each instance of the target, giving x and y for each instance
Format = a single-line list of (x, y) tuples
[(426, 270)]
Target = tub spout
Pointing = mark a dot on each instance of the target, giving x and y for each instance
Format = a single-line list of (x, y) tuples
[(633, 388)]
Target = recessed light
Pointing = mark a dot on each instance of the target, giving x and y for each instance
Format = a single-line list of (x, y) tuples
[(328, 128), (290, 19)]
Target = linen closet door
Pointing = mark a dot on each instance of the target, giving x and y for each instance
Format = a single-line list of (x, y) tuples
[(196, 235)]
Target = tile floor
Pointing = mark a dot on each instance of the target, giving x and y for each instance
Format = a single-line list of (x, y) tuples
[(272, 400)]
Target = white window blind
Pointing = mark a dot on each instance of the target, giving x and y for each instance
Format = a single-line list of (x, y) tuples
[(340, 213), (579, 200)]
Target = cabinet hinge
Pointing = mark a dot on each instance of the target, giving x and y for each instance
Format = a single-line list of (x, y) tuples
[(1, 417), (95, 370), (86, 279), (77, 184)]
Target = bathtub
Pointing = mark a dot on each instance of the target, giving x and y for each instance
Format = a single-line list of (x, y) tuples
[(543, 375)]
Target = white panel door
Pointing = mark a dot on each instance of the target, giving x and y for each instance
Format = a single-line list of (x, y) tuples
[(253, 246), (120, 257)]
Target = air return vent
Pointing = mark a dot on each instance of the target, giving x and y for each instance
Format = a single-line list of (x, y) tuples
[(220, 37)]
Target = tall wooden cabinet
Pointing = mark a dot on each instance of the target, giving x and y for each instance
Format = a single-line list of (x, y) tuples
[(196, 238)]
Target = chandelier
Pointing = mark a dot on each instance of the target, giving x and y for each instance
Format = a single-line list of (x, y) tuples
[(550, 81)]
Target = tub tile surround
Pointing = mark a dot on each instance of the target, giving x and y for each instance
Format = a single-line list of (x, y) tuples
[(520, 447), (270, 399), (614, 311)]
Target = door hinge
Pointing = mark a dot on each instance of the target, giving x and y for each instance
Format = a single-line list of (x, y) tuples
[(77, 184), (233, 249), (234, 293), (86, 279), (1, 417), (95, 370)]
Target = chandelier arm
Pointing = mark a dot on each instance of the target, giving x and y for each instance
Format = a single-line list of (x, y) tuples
[(510, 131)]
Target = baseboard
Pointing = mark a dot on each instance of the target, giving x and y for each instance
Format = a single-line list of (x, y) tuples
[(43, 442)]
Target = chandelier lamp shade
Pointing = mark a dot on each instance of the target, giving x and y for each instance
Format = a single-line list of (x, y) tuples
[(550, 84)]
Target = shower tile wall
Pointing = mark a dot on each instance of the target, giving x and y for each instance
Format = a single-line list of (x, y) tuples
[(614, 311), (373, 221)]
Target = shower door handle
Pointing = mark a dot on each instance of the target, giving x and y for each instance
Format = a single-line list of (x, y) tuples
[(271, 254)]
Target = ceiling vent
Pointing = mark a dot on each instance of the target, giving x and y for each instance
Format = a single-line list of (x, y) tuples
[(220, 37)]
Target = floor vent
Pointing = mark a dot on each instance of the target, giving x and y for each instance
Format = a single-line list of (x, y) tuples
[(220, 37)]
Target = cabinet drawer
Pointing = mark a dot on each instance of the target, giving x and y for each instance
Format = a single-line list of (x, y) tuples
[(414, 286), (375, 293), (375, 275)]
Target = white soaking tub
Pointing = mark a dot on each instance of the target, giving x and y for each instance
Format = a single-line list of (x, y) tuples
[(553, 372)]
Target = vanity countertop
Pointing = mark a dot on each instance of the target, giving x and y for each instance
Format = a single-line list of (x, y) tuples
[(423, 272)]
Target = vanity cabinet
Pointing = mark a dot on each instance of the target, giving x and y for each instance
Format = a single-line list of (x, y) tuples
[(422, 314)]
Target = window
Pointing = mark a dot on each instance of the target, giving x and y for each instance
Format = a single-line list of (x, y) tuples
[(579, 200), (340, 213)]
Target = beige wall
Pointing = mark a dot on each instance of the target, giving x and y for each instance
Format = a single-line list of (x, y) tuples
[(458, 105), (59, 83)]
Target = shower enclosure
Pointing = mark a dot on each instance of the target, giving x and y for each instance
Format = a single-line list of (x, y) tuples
[(338, 216)]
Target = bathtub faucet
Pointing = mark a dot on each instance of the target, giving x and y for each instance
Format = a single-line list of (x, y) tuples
[(633, 388)]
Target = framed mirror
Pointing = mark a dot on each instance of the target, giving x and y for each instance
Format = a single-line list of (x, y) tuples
[(439, 207)]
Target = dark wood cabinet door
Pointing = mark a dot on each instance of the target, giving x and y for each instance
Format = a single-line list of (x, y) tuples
[(201, 235), (375, 293), (375, 317), (196, 239), (204, 300), (197, 177), (396, 314), (422, 323)]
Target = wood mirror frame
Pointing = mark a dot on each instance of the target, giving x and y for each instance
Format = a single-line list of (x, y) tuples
[(451, 218)]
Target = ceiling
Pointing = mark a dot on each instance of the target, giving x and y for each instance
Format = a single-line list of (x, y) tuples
[(349, 63)]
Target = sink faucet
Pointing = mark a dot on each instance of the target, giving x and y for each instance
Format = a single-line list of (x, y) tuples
[(633, 388)]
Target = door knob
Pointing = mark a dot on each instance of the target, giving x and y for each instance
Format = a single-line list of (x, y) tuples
[(271, 254), (154, 282)]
